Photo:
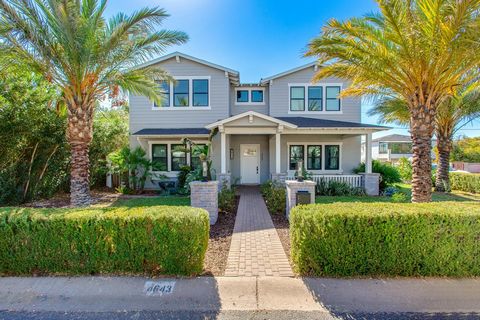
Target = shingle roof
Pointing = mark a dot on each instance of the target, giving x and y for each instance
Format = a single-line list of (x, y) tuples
[(393, 138), (304, 122), (167, 132)]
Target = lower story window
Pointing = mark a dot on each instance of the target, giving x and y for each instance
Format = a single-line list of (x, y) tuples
[(159, 157), (195, 161), (179, 157), (314, 158), (332, 157), (296, 154)]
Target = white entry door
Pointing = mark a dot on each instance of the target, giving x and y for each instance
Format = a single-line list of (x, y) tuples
[(250, 163)]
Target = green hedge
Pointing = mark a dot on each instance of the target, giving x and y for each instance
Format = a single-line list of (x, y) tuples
[(386, 239), (468, 182), (142, 240)]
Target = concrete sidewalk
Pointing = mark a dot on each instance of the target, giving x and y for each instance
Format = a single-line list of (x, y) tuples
[(240, 297)]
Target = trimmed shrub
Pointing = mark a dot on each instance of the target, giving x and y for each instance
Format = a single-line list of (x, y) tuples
[(467, 182), (388, 174), (380, 239), (336, 188), (275, 196), (226, 199), (141, 240)]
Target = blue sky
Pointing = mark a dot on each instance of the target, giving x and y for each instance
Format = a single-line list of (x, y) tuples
[(258, 38)]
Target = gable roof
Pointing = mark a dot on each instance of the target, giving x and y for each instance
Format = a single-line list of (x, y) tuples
[(393, 138), (278, 75), (251, 113), (233, 75)]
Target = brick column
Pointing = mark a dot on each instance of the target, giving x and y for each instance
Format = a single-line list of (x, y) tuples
[(293, 187), (205, 195), (371, 183)]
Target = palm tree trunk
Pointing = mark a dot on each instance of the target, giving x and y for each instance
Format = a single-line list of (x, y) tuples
[(444, 146), (79, 136), (422, 126)]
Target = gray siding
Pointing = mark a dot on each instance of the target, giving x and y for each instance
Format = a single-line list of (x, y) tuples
[(237, 109), (141, 113), (280, 104)]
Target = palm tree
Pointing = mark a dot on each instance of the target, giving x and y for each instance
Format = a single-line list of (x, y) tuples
[(452, 114), (419, 50), (87, 56)]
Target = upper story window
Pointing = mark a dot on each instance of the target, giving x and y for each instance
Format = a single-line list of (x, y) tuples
[(242, 95), (257, 96), (164, 87), (185, 93), (309, 98), (181, 94), (249, 96)]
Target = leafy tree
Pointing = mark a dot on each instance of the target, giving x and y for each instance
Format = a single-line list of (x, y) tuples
[(453, 113), (467, 150), (72, 45), (419, 50), (34, 153)]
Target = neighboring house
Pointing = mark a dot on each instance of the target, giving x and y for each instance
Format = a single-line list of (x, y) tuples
[(391, 148), (263, 129)]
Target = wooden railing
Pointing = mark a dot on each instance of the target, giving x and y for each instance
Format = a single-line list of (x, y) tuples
[(354, 180)]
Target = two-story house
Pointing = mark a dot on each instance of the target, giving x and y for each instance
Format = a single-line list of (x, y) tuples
[(263, 129)]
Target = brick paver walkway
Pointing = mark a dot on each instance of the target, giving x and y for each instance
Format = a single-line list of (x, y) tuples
[(256, 249)]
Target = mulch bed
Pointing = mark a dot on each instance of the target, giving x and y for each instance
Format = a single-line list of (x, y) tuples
[(282, 225), (219, 243)]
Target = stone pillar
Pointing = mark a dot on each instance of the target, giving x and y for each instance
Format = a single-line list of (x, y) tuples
[(205, 195), (371, 183), (293, 187), (279, 177), (224, 179)]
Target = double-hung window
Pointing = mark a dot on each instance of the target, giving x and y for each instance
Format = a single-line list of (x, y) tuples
[(160, 157), (315, 97), (296, 154), (297, 98), (257, 96), (181, 93), (314, 157), (200, 93), (178, 157), (195, 156), (332, 157), (332, 99), (164, 88), (242, 96), (383, 147)]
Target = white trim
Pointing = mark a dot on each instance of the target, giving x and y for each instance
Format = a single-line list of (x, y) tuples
[(223, 152), (190, 106), (278, 154), (324, 86), (249, 102), (248, 113), (313, 143), (278, 75)]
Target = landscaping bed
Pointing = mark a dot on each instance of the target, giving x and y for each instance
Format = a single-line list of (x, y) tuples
[(219, 242), (386, 239), (282, 226)]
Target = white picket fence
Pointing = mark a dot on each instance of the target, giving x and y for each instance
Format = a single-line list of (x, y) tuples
[(354, 180)]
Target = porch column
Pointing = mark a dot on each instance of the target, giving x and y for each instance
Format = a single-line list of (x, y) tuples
[(223, 152), (368, 153), (277, 153)]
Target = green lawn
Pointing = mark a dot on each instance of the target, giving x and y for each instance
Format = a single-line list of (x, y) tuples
[(437, 197), (153, 201)]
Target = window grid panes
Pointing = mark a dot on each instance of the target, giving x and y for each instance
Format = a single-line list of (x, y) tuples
[(314, 158), (400, 147), (164, 88), (178, 157), (257, 95), (297, 98), (332, 99), (315, 97), (242, 95), (383, 148), (296, 154), (332, 157), (195, 156), (159, 157), (180, 93), (200, 93)]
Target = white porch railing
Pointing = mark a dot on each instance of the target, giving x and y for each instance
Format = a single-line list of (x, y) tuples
[(354, 180)]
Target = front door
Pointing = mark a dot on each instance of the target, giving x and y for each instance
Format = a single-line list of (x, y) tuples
[(250, 163)]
